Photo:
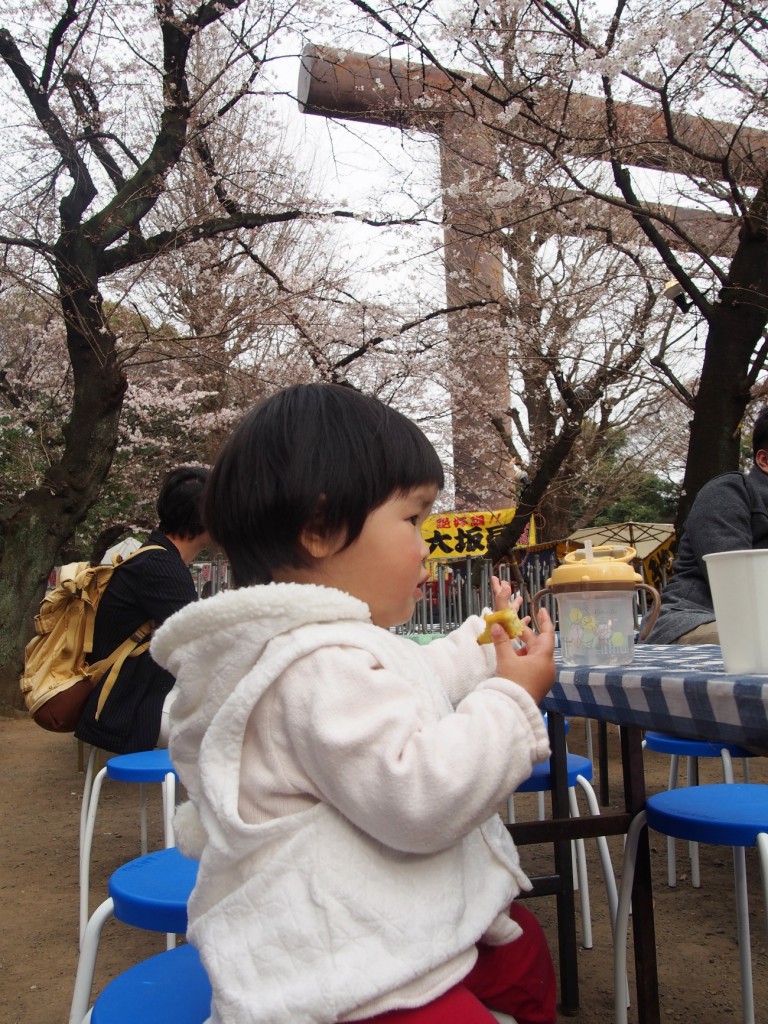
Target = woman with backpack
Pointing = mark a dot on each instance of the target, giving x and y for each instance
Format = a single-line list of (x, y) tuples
[(150, 586)]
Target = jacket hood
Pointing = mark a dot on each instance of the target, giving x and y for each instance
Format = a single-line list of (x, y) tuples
[(261, 612)]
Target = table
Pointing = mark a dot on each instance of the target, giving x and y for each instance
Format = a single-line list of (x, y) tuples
[(677, 689)]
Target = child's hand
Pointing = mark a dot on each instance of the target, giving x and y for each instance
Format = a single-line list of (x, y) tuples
[(502, 592), (533, 668)]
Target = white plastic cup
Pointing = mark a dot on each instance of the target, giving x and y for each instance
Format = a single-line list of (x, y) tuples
[(738, 581)]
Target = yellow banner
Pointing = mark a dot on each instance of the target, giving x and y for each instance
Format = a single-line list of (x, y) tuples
[(468, 534)]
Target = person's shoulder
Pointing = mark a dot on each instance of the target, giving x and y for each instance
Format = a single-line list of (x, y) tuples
[(156, 548), (733, 478), (734, 483), (157, 559)]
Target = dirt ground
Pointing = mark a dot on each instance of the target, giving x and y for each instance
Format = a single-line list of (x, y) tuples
[(39, 819)]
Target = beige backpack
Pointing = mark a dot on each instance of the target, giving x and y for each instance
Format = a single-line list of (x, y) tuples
[(58, 678)]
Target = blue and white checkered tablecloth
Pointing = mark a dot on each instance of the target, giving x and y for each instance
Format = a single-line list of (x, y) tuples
[(677, 689)]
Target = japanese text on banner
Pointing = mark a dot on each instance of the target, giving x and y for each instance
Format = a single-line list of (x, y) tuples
[(468, 534)]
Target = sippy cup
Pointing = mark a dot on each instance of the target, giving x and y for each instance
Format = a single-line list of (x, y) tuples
[(595, 589)]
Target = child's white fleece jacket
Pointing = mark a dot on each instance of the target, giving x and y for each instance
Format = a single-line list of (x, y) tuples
[(342, 786)]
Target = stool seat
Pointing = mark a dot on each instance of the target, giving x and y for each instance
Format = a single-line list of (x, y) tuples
[(152, 891), (725, 814), (692, 750), (143, 766), (540, 779), (579, 771), (169, 988), (663, 743), (732, 816)]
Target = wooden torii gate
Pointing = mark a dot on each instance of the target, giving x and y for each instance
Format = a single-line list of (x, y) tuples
[(379, 90)]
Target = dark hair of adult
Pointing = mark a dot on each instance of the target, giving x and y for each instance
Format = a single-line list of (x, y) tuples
[(760, 432), (314, 455), (179, 504)]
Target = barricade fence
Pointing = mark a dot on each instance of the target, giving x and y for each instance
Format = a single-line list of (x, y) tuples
[(458, 587)]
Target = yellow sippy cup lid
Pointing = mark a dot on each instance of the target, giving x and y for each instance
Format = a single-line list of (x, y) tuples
[(609, 566)]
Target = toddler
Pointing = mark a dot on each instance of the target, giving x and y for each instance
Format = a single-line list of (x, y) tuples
[(343, 780)]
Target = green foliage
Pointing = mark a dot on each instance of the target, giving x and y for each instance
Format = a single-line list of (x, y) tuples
[(648, 499)]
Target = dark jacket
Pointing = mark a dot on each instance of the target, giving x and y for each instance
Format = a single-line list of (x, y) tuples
[(151, 585), (730, 513)]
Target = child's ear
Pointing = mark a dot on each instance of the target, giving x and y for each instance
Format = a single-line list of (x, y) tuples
[(314, 537), (316, 544)]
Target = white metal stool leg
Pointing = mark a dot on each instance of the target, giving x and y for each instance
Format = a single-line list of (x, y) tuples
[(143, 816), (87, 785), (674, 779), (762, 852), (693, 780), (169, 808), (86, 965), (602, 849), (581, 875), (580, 880), (693, 848), (605, 863), (85, 853), (742, 927), (588, 738)]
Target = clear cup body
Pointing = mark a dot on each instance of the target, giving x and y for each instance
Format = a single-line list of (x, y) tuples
[(596, 627)]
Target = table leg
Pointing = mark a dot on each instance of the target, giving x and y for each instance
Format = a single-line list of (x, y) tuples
[(602, 763), (643, 926), (566, 908)]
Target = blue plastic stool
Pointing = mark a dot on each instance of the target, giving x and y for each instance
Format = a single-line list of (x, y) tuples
[(170, 988), (677, 747), (580, 773), (726, 814), (150, 892), (139, 768)]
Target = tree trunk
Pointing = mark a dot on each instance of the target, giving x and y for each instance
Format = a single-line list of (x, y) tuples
[(736, 326), (33, 531)]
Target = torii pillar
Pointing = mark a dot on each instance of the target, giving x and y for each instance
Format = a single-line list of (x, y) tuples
[(374, 90)]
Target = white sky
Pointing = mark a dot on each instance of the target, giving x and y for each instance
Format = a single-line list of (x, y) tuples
[(374, 171)]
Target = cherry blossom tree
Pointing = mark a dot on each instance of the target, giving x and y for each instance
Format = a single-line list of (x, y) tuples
[(645, 124), (130, 136)]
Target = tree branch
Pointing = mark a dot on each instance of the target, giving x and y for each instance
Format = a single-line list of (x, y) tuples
[(83, 189), (139, 250), (86, 105)]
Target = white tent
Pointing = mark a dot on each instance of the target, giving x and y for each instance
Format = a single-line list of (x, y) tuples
[(643, 537)]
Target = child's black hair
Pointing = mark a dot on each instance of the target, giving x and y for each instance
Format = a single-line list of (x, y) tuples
[(313, 455), (179, 504)]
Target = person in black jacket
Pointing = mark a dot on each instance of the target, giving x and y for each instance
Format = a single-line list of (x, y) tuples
[(152, 585), (730, 513)]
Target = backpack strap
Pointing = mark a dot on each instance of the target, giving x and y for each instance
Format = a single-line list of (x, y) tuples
[(91, 619), (136, 644)]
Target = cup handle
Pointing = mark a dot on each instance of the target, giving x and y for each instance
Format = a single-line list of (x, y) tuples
[(654, 612), (535, 604)]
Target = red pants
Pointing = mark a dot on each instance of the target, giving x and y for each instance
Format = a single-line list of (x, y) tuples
[(518, 979)]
